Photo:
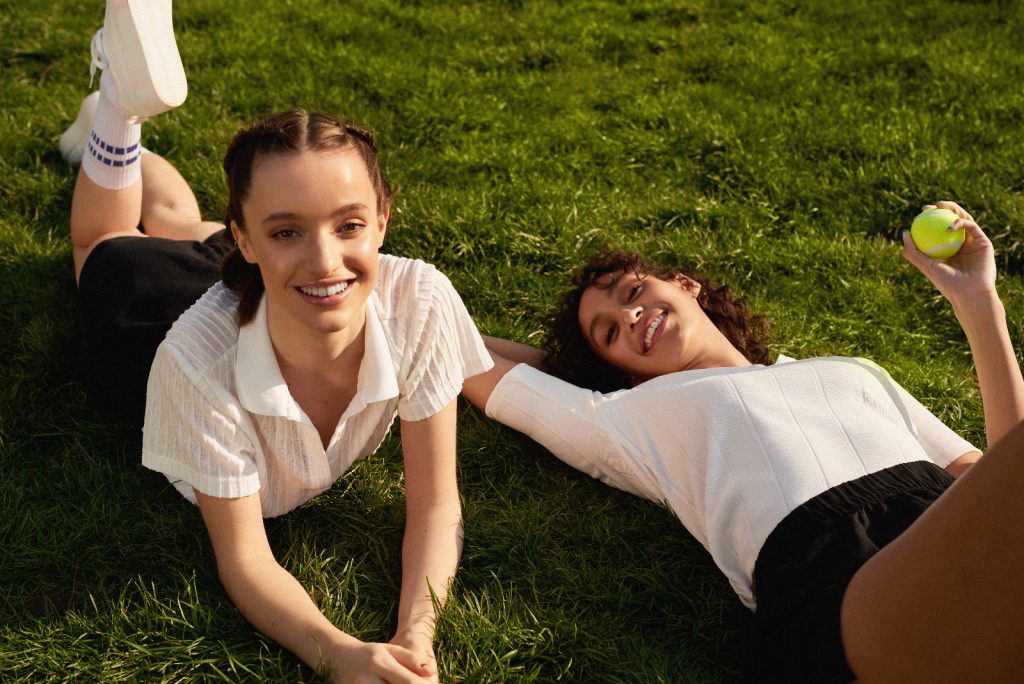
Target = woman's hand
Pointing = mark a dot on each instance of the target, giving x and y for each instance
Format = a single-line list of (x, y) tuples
[(421, 644), (968, 274), (359, 662)]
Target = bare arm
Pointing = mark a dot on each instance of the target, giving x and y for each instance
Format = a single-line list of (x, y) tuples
[(516, 352), (968, 281), (506, 354), (433, 528), (277, 605)]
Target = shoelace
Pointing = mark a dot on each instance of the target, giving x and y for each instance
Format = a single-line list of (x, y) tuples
[(99, 60)]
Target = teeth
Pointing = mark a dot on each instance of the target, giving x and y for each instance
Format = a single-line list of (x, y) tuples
[(325, 291), (651, 328)]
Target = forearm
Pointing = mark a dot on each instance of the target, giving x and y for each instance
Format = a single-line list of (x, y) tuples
[(999, 375), (277, 605), (515, 352), (430, 555)]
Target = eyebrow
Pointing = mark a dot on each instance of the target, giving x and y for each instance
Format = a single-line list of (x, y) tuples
[(610, 291), (292, 216)]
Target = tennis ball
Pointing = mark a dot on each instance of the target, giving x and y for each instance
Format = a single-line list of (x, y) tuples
[(930, 234)]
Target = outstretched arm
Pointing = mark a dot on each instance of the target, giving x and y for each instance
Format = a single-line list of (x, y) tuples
[(277, 605), (968, 281), (506, 354), (433, 529)]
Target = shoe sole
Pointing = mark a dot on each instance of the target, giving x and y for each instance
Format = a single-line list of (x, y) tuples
[(138, 43), (73, 140)]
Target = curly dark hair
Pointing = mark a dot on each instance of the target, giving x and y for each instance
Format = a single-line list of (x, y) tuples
[(570, 356)]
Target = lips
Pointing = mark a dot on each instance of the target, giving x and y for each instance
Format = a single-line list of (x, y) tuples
[(652, 330), (325, 294), (324, 291)]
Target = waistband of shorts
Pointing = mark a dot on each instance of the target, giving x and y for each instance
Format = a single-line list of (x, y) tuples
[(850, 497)]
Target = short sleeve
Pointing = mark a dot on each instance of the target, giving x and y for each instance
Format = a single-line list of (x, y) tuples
[(446, 348), (942, 445), (193, 432)]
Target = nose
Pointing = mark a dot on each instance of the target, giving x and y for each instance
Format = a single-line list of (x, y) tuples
[(629, 316), (324, 253)]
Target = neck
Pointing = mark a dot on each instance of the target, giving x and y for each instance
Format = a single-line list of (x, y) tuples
[(722, 355), (325, 354)]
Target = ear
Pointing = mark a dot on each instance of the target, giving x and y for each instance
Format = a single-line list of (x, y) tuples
[(242, 240), (689, 285), (383, 218)]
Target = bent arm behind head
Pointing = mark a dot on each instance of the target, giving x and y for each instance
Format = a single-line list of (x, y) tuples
[(506, 354)]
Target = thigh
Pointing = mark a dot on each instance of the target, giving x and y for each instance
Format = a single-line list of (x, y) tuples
[(943, 601)]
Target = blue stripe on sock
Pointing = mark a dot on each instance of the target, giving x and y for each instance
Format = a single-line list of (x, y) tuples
[(102, 146)]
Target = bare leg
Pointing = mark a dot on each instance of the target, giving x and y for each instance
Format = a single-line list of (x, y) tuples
[(98, 214), (142, 77), (161, 201), (944, 601), (169, 207)]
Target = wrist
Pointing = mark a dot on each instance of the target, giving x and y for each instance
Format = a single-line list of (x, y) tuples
[(340, 649), (979, 311), (420, 632)]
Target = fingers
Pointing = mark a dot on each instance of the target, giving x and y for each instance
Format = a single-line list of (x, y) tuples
[(972, 231), (953, 207), (915, 256), (418, 663)]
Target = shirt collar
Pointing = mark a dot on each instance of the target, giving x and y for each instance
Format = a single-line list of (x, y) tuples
[(261, 387)]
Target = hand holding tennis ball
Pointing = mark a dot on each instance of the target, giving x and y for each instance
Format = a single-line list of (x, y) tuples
[(970, 277), (930, 232)]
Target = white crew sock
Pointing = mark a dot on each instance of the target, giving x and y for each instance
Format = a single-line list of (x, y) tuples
[(113, 151)]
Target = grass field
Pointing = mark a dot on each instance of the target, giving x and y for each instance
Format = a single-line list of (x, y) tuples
[(779, 146)]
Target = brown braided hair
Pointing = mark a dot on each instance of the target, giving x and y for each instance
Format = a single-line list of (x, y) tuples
[(570, 356), (286, 132)]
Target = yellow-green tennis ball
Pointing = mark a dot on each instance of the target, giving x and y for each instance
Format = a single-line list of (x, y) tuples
[(931, 235)]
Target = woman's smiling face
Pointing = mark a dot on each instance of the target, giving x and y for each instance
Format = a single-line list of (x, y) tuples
[(313, 228), (645, 326)]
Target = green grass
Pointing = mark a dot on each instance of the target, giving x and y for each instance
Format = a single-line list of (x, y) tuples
[(780, 147)]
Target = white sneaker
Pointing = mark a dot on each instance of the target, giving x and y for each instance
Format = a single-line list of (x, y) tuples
[(136, 47), (73, 140)]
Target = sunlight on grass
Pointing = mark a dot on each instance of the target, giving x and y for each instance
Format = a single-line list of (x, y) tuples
[(779, 147)]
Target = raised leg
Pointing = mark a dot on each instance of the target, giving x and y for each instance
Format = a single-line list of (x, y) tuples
[(945, 601), (98, 213), (169, 207), (142, 77)]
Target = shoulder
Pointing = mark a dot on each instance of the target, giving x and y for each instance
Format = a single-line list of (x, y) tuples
[(409, 286), (207, 330), (398, 272)]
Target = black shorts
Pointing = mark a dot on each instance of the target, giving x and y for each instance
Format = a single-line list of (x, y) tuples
[(808, 560), (130, 291)]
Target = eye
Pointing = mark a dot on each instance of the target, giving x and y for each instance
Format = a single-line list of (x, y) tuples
[(284, 233), (350, 227), (634, 291), (610, 336)]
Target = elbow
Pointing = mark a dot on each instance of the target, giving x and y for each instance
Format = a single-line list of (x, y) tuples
[(963, 463)]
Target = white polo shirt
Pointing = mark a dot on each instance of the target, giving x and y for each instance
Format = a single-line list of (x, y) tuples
[(731, 450), (220, 418)]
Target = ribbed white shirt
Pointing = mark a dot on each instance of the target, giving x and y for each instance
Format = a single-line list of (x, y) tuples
[(731, 450), (220, 418)]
